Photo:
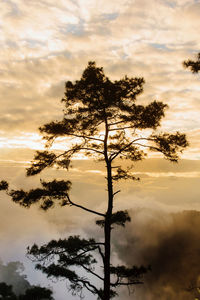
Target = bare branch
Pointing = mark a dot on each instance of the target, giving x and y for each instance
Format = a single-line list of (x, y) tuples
[(114, 155), (91, 149), (115, 193), (121, 128), (88, 250), (86, 137), (101, 253), (93, 273), (82, 253), (148, 146), (89, 286), (116, 123), (84, 208), (126, 283)]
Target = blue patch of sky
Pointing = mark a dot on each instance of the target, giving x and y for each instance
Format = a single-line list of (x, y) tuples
[(65, 53), (110, 17), (160, 46), (170, 3), (11, 44), (74, 2), (173, 4), (75, 29), (14, 9), (32, 43), (187, 90), (125, 56), (120, 51)]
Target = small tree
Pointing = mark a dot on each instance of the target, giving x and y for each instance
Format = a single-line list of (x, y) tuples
[(32, 293), (194, 66), (104, 122), (6, 292), (37, 293)]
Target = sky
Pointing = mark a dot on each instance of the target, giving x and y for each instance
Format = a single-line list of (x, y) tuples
[(44, 43)]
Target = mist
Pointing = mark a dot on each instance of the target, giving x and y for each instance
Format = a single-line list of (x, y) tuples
[(161, 234), (169, 243)]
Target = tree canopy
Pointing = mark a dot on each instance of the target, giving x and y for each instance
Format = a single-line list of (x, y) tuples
[(194, 66), (103, 121), (32, 293)]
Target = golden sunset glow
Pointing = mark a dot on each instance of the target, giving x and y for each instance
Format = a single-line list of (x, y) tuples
[(45, 43)]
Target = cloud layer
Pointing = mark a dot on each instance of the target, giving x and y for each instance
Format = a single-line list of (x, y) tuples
[(44, 43), (159, 231)]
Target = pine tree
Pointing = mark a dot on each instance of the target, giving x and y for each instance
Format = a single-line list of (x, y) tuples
[(104, 122)]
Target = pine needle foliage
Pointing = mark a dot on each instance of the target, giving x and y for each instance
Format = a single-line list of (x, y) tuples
[(193, 65), (104, 122)]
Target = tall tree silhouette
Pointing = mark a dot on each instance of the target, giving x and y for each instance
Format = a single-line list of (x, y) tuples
[(194, 66), (104, 122)]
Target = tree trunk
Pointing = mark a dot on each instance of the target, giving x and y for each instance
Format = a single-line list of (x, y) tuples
[(107, 225), (107, 233)]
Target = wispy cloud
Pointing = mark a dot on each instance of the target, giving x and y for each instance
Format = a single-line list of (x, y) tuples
[(44, 43)]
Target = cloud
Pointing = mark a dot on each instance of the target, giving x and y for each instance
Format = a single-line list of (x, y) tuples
[(44, 43), (170, 244), (11, 274), (155, 205)]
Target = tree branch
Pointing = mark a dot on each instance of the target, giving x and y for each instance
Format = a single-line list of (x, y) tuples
[(84, 252), (114, 155), (115, 123), (126, 283), (121, 128), (115, 193), (88, 286), (148, 146), (93, 273), (86, 137), (88, 250), (101, 253), (84, 208), (91, 149)]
